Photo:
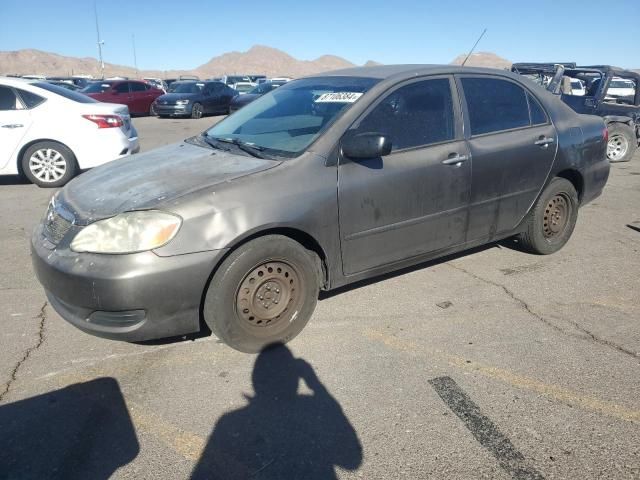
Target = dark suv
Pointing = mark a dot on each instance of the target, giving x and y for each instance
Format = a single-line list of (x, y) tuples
[(619, 107)]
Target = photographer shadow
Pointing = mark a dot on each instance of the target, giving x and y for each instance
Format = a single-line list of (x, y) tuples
[(281, 434), (83, 431)]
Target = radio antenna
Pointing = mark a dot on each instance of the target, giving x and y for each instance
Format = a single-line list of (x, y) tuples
[(474, 46)]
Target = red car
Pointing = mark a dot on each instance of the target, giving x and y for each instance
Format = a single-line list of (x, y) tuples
[(136, 95)]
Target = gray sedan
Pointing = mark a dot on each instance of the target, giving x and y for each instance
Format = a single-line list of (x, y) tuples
[(325, 181)]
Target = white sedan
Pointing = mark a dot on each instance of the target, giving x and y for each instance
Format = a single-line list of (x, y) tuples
[(49, 133)]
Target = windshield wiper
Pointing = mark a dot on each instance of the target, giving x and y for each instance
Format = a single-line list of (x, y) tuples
[(213, 142), (250, 148)]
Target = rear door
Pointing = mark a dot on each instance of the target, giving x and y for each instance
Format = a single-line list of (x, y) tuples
[(513, 145), (414, 200), (15, 121)]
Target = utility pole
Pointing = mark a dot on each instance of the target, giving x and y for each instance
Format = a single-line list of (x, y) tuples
[(135, 60), (100, 42)]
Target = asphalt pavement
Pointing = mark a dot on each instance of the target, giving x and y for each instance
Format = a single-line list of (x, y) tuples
[(490, 364)]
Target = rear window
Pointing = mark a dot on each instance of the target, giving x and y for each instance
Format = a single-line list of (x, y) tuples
[(96, 87), (63, 92), (495, 105)]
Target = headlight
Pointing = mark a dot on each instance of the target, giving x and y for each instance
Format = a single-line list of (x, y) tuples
[(182, 102), (128, 232)]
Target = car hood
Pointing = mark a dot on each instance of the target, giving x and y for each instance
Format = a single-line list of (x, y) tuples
[(172, 97), (153, 180)]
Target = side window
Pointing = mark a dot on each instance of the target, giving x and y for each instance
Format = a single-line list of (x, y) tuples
[(417, 114), (30, 99), (122, 87), (495, 105), (538, 117), (138, 87), (9, 100)]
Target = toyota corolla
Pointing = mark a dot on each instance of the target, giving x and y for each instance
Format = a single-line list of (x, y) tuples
[(325, 181)]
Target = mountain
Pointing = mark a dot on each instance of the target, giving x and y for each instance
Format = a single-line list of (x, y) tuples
[(258, 59), (269, 61), (483, 59)]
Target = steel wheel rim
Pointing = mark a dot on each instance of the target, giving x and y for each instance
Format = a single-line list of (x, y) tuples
[(556, 216), (47, 165), (197, 111), (617, 147), (269, 296)]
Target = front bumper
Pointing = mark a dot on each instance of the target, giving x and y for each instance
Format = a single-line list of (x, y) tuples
[(132, 297), (173, 110)]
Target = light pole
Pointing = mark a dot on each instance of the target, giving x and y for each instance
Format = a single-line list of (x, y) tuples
[(135, 60), (100, 42)]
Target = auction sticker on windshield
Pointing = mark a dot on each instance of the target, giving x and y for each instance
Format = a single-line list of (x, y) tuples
[(338, 97)]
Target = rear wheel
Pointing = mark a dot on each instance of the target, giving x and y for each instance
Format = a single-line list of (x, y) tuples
[(196, 110), (49, 164), (263, 293), (550, 224), (622, 143)]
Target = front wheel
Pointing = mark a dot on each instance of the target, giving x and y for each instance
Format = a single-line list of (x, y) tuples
[(550, 224), (622, 143), (263, 293), (196, 111), (49, 164)]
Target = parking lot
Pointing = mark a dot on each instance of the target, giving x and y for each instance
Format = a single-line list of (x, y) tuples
[(490, 364)]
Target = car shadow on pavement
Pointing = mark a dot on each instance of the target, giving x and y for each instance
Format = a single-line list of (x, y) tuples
[(281, 433), (82, 431), (13, 180)]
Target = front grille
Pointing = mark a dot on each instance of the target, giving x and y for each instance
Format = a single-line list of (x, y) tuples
[(55, 226)]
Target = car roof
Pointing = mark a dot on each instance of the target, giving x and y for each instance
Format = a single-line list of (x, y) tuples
[(17, 81), (409, 70)]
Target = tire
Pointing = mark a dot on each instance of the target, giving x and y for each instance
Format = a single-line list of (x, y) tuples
[(550, 223), (622, 143), (152, 110), (49, 164), (263, 293), (197, 110)]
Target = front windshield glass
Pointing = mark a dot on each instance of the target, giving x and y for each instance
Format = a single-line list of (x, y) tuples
[(188, 87), (243, 87), (287, 120), (96, 87), (620, 84)]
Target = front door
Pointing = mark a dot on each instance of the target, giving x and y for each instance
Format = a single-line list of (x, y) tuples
[(513, 145), (14, 123), (414, 200)]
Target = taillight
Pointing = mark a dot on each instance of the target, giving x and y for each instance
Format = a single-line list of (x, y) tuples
[(105, 121), (605, 134)]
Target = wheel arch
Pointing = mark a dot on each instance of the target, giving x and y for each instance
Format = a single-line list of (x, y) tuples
[(295, 234), (576, 179), (30, 143)]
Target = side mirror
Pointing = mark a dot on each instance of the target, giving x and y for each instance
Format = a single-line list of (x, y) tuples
[(366, 145)]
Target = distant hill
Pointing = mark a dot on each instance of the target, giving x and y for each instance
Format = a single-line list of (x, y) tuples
[(258, 59), (483, 59)]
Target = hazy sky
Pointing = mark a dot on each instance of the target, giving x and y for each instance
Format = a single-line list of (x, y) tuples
[(183, 34)]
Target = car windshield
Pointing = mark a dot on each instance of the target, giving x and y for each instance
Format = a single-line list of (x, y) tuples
[(96, 87), (263, 88), (187, 87), (236, 78), (620, 84), (287, 120), (64, 92)]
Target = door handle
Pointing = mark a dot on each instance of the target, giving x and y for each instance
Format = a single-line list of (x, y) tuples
[(544, 141), (455, 159), (13, 125)]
